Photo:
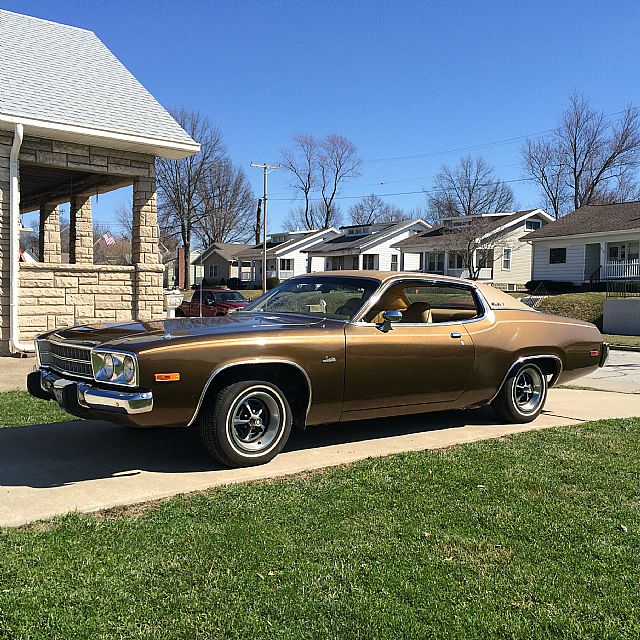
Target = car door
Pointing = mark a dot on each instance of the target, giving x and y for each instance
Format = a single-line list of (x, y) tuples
[(415, 362)]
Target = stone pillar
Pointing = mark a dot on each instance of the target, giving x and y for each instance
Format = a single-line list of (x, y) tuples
[(6, 140), (144, 251), (81, 230), (50, 244)]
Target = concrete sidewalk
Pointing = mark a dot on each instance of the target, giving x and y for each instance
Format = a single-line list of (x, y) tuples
[(46, 470), (13, 373)]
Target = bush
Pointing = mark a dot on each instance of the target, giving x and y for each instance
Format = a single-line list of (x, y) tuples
[(552, 286), (272, 282), (233, 283)]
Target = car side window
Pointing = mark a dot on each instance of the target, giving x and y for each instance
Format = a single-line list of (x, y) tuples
[(427, 303)]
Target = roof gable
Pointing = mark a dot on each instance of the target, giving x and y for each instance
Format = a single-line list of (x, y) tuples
[(57, 77)]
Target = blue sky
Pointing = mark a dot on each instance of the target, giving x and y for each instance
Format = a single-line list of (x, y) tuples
[(397, 78)]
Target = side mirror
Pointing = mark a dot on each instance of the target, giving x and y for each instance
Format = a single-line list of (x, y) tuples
[(390, 316)]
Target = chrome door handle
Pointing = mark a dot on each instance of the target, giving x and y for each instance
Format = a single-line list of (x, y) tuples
[(455, 334)]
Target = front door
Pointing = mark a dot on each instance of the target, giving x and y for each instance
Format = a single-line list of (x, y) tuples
[(426, 358)]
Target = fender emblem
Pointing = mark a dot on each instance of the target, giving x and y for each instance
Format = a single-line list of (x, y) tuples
[(328, 360)]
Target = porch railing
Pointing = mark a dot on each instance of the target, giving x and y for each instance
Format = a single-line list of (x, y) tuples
[(625, 269)]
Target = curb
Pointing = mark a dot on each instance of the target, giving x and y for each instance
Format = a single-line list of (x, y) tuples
[(614, 347)]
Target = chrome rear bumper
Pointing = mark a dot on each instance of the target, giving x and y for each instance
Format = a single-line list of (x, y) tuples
[(604, 354), (73, 395)]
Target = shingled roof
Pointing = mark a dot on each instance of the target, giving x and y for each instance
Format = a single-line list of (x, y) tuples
[(593, 218), (446, 237), (59, 78)]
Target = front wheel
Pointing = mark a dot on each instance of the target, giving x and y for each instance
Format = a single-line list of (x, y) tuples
[(246, 424), (522, 395)]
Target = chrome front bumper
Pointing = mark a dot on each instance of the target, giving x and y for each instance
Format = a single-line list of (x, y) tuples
[(72, 394)]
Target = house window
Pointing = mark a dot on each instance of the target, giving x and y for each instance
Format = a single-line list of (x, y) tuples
[(213, 270), (286, 264), (394, 262), (532, 225), (558, 255), (456, 261), (355, 263), (506, 259), (421, 267), (435, 262), (369, 261)]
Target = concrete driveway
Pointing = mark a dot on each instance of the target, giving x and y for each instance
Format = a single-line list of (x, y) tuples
[(621, 373), (46, 470)]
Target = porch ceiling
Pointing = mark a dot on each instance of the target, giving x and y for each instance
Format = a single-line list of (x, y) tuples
[(56, 185)]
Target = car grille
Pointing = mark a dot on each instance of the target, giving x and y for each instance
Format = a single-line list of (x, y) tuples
[(65, 358)]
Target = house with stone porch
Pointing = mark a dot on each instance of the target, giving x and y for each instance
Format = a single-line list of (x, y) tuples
[(75, 123)]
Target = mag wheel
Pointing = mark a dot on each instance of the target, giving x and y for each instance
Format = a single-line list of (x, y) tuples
[(522, 395), (247, 423)]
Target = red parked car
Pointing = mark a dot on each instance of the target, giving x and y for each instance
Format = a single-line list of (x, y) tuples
[(211, 302)]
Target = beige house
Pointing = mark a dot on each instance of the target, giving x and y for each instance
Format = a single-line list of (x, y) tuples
[(220, 261), (486, 246), (75, 123)]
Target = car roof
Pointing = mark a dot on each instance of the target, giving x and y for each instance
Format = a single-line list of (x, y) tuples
[(496, 298)]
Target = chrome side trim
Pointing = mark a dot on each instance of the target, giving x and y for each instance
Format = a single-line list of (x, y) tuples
[(249, 362), (521, 360)]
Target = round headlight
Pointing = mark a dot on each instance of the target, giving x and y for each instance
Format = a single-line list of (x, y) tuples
[(128, 369), (108, 366)]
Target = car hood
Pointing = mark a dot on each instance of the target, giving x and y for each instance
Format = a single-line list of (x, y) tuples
[(139, 334)]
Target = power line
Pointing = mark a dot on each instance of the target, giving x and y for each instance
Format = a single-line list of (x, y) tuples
[(407, 193)]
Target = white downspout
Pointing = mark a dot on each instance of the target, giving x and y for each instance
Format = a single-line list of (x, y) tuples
[(14, 253)]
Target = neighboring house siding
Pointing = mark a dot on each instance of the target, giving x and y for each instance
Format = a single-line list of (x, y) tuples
[(520, 271), (571, 271), (223, 268), (411, 262), (384, 251)]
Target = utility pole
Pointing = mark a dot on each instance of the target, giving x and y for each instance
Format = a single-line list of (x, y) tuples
[(266, 169)]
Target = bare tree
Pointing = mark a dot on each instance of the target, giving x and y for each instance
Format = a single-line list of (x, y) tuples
[(372, 209), (338, 162), (469, 188), (546, 165), (322, 166), (180, 181), (227, 205), (302, 162), (596, 160)]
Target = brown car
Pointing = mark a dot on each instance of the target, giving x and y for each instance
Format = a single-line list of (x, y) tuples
[(323, 347)]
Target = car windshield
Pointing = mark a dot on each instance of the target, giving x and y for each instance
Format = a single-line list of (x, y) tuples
[(230, 296), (325, 296)]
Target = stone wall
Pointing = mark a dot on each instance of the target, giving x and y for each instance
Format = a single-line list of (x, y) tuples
[(54, 295)]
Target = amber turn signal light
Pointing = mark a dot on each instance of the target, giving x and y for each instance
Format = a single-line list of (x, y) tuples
[(167, 377)]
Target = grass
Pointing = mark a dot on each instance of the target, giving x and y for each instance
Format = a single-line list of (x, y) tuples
[(533, 536), (18, 408), (623, 341), (584, 306)]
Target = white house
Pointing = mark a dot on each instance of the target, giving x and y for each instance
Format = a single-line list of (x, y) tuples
[(367, 246), (286, 255), (594, 243), (488, 244)]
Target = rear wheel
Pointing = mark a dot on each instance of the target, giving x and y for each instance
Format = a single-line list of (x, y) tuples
[(246, 423), (522, 396)]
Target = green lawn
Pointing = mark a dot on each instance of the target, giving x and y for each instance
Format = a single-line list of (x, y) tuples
[(624, 341), (584, 306), (18, 408), (533, 536)]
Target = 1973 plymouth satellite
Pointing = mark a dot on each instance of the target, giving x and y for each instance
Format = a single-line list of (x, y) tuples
[(319, 348)]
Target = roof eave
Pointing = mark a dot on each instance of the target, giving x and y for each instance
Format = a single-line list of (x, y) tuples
[(119, 140)]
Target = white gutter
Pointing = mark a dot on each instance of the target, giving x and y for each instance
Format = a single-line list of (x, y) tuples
[(14, 252)]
